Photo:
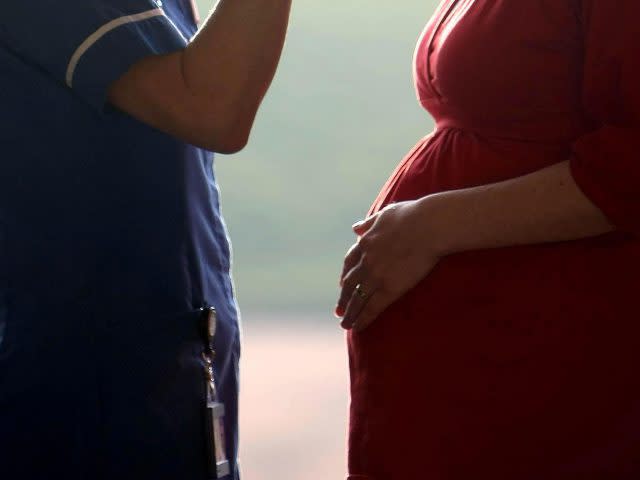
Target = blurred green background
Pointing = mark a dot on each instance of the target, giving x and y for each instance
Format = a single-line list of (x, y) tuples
[(341, 113)]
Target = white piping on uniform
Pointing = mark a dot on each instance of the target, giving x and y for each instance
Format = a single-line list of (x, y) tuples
[(101, 32)]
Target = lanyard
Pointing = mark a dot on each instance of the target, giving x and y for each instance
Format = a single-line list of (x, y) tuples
[(218, 464)]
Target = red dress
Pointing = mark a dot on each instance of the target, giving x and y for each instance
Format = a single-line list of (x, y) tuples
[(524, 362)]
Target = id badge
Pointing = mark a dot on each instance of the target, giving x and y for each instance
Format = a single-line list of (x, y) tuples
[(216, 448), (218, 464)]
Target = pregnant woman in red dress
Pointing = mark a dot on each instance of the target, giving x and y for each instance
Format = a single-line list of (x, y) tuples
[(493, 294)]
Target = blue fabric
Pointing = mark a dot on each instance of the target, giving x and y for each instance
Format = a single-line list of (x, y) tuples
[(47, 33), (111, 240)]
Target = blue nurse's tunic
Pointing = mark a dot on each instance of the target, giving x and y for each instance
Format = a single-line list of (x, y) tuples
[(111, 241)]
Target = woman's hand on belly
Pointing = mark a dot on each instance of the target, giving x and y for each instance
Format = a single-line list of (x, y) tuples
[(394, 251), (400, 245)]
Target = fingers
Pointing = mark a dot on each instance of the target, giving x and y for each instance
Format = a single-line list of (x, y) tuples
[(363, 226), (362, 311), (350, 261), (357, 301), (389, 260), (377, 304), (355, 252), (349, 283), (352, 271)]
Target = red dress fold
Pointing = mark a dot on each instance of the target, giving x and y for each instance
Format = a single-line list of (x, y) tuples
[(515, 363)]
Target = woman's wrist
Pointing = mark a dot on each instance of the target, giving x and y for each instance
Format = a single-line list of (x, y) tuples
[(435, 224), (541, 207)]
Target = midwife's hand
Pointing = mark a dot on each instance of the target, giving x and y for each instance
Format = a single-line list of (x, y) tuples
[(396, 248)]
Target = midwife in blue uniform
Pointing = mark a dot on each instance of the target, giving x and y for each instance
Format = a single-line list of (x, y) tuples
[(113, 252)]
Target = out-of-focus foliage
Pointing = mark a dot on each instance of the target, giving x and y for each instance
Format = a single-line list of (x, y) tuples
[(340, 115)]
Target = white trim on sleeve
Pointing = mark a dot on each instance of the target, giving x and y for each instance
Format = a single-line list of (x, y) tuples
[(101, 32)]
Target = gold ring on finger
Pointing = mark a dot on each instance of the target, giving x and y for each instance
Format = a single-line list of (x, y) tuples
[(360, 292)]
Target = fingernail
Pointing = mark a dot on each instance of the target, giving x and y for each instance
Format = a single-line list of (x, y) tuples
[(338, 311), (357, 224)]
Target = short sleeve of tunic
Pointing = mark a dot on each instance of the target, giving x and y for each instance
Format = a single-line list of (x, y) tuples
[(606, 161), (86, 44)]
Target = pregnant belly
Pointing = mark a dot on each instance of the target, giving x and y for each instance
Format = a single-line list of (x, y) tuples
[(517, 282), (519, 301), (498, 354), (451, 159)]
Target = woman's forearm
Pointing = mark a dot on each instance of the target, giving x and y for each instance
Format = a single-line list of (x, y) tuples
[(208, 93), (401, 244), (544, 206), (233, 58)]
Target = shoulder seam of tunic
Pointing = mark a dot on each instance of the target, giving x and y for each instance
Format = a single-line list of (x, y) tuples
[(101, 32)]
